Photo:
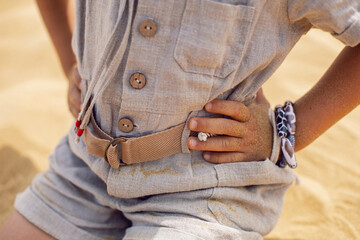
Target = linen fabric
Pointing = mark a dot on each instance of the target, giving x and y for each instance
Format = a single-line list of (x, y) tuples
[(202, 50), (69, 201)]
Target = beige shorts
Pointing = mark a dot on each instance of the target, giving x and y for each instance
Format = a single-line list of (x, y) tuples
[(72, 200)]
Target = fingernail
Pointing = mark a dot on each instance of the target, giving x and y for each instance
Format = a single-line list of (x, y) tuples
[(193, 124), (193, 142), (207, 156), (208, 106)]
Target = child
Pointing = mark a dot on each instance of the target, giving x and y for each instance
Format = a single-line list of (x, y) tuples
[(152, 65)]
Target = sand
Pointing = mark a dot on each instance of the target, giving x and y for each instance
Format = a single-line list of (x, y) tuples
[(34, 116)]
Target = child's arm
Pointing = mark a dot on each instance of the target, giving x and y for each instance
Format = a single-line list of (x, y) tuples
[(59, 22), (335, 95), (58, 17)]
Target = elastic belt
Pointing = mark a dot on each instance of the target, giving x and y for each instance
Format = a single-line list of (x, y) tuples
[(123, 151)]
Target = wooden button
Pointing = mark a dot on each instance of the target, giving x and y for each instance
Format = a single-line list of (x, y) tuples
[(137, 80), (125, 125), (148, 28)]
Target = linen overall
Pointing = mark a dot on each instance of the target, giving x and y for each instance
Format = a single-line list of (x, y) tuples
[(186, 53)]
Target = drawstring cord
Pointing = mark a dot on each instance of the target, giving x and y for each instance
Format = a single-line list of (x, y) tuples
[(85, 113), (109, 46)]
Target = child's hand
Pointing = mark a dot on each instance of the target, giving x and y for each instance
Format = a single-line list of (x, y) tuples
[(248, 131), (74, 91)]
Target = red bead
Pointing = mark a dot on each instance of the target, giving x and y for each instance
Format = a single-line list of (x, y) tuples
[(80, 132), (78, 123)]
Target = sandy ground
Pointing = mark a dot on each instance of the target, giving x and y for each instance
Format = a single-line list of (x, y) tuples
[(34, 116)]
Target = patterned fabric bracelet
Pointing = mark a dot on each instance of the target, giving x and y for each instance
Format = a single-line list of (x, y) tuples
[(291, 121), (285, 123)]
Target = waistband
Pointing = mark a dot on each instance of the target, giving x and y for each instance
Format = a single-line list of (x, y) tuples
[(123, 151)]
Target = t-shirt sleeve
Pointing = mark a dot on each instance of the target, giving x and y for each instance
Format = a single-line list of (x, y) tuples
[(339, 17)]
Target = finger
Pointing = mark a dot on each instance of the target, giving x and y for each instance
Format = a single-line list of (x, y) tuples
[(77, 78), (221, 126), (75, 97), (234, 109), (224, 157), (261, 99), (216, 144), (74, 111)]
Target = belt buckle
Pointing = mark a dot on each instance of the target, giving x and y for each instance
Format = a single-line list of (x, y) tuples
[(113, 143)]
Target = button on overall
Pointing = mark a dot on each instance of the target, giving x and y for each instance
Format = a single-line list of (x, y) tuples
[(148, 28), (138, 80), (126, 125)]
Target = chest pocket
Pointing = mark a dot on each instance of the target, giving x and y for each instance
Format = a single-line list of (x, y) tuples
[(212, 37)]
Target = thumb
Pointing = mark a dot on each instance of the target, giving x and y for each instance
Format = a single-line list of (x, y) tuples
[(261, 99)]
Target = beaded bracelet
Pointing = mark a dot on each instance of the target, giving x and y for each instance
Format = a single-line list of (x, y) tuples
[(285, 124)]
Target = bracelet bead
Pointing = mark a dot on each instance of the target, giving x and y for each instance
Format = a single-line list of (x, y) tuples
[(286, 126)]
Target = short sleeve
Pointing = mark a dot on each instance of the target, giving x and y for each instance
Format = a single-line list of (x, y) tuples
[(339, 17)]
